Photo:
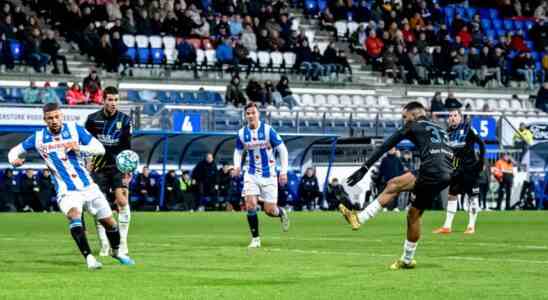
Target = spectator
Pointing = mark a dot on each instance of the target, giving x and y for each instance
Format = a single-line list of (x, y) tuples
[(234, 94), (186, 54), (255, 92), (147, 189), (235, 25), (75, 95), (48, 94), (304, 60), (234, 201), (185, 199), (10, 191), (523, 65), (31, 94), (539, 34), (202, 176), (223, 182), (249, 39), (28, 187), (94, 93), (517, 42), (329, 60), (484, 181), (343, 65), (241, 57), (336, 195), (225, 55), (542, 98), (92, 78), (451, 102), (121, 56), (327, 21), (474, 64), (374, 47), (437, 104), (390, 62), (283, 94), (504, 173), (51, 47), (490, 64), (6, 57), (37, 59), (465, 37), (391, 166), (170, 191), (460, 67), (105, 55), (309, 190), (46, 194), (523, 138)]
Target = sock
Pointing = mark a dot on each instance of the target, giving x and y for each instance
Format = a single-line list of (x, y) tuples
[(113, 235), (253, 221), (408, 251), (451, 211), (79, 236), (473, 207), (101, 233), (124, 216), (370, 211)]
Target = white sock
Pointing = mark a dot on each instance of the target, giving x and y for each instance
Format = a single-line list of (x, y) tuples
[(451, 210), (370, 211), (408, 251), (102, 234), (473, 207), (124, 217)]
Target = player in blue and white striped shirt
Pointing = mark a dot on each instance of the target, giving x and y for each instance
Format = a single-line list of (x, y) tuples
[(260, 141), (63, 147)]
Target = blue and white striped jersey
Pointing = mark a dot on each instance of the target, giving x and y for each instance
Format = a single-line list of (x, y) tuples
[(68, 168), (260, 144)]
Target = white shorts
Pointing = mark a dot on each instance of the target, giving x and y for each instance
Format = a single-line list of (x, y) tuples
[(266, 188), (90, 199)]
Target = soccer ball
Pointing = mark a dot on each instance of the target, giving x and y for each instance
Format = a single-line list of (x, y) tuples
[(127, 161)]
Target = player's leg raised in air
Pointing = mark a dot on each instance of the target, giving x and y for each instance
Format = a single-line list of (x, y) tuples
[(394, 187)]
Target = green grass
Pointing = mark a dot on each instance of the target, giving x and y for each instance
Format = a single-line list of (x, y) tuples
[(204, 256)]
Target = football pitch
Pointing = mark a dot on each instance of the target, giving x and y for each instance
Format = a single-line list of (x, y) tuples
[(204, 256)]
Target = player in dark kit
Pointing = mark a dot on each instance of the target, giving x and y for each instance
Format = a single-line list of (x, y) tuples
[(113, 129), (432, 177), (465, 180)]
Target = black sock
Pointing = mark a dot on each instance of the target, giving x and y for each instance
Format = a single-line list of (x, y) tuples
[(79, 236), (253, 221), (113, 236)]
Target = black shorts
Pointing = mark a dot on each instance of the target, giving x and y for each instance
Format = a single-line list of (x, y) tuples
[(109, 179), (464, 182), (428, 186)]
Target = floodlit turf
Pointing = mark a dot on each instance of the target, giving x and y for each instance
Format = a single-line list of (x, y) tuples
[(204, 256)]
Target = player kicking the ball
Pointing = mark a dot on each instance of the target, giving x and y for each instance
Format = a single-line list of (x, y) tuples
[(433, 176), (260, 140), (63, 147), (113, 129), (463, 138)]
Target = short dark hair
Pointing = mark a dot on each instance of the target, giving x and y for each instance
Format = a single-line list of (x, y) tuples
[(413, 105), (52, 106), (250, 105), (110, 90)]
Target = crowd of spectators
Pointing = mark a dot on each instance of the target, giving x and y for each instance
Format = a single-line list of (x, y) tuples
[(265, 93), (418, 42)]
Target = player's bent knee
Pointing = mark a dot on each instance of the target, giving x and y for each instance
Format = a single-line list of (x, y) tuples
[(74, 213), (108, 222)]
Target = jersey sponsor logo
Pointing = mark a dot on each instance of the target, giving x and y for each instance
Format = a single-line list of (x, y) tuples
[(119, 125), (108, 140), (257, 145)]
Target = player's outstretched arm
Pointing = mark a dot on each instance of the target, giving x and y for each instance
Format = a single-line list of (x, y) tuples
[(87, 143), (237, 157), (388, 144), (284, 162), (14, 155)]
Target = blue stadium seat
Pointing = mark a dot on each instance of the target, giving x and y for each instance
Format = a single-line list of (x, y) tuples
[(461, 11), (485, 24), (470, 11), (157, 56), (143, 55), (490, 34), (189, 98), (535, 55), (163, 97), (174, 97), (508, 24), (133, 95), (17, 50), (217, 98), (449, 12), (132, 53), (493, 13), (311, 6), (512, 54), (501, 32), (14, 95), (497, 23), (61, 93), (484, 13), (529, 45), (204, 97), (519, 25), (322, 5), (293, 181), (529, 24)]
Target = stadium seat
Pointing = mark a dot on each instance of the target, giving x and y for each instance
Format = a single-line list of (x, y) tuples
[(310, 34), (169, 42), (132, 95), (307, 100), (493, 13), (322, 46), (352, 27), (155, 41), (132, 53), (253, 56), (333, 101), (497, 24), (277, 59), (295, 24), (311, 7), (322, 5), (200, 57), (493, 104), (157, 56), (16, 50), (129, 40), (470, 12), (503, 104), (320, 100), (142, 41), (341, 28), (371, 102), (519, 25), (264, 59), (491, 34), (289, 59), (516, 105), (210, 57), (479, 104), (529, 24), (384, 102), (485, 24), (501, 32), (508, 24), (170, 55), (345, 101), (358, 101), (143, 55)]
